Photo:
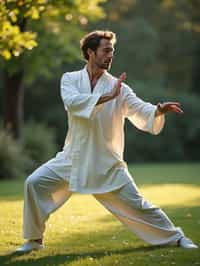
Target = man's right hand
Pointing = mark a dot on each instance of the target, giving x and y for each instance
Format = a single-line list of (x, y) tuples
[(117, 88), (115, 91)]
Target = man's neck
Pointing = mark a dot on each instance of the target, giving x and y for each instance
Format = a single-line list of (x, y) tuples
[(94, 72)]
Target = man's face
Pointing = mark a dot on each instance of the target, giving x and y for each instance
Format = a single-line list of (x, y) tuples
[(103, 56)]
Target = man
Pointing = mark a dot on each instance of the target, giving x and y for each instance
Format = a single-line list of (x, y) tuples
[(92, 158)]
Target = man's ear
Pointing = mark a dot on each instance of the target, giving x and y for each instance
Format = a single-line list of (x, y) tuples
[(90, 51)]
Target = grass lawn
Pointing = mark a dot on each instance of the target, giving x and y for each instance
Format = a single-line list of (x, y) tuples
[(83, 233)]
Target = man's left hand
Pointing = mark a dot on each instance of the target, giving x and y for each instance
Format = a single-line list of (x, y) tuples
[(163, 108)]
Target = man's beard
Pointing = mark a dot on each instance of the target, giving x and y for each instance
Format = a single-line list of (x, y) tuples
[(105, 65)]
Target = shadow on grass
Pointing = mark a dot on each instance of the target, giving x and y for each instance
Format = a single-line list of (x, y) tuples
[(15, 259), (76, 247)]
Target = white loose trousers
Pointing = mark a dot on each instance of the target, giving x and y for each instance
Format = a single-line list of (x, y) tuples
[(45, 191)]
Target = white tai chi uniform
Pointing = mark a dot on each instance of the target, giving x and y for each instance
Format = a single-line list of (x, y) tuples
[(92, 161)]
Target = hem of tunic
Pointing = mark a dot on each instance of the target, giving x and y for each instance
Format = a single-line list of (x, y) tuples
[(91, 191), (99, 191)]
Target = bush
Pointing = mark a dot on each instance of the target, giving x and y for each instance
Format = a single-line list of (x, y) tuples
[(38, 143), (13, 162)]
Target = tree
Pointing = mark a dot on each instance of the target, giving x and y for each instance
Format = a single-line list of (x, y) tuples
[(187, 15), (152, 34), (31, 33)]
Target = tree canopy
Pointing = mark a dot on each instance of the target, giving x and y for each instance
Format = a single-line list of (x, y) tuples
[(18, 32), (36, 37)]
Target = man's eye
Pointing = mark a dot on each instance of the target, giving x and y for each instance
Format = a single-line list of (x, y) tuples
[(108, 51)]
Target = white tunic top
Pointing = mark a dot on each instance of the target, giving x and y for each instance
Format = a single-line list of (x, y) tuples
[(92, 157)]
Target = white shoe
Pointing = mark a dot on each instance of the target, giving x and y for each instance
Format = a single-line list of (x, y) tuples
[(29, 246), (185, 242)]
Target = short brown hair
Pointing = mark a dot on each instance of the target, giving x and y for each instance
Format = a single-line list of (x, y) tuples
[(92, 40)]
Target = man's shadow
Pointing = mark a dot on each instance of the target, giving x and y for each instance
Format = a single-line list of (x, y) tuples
[(59, 259)]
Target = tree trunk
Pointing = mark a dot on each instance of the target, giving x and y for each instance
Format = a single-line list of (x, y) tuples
[(13, 105)]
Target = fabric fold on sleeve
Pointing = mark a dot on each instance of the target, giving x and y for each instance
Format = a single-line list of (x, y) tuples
[(79, 104), (155, 123), (141, 114)]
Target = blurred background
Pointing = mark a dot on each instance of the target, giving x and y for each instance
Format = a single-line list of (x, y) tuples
[(158, 46)]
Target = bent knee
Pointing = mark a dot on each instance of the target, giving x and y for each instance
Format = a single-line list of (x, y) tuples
[(32, 180)]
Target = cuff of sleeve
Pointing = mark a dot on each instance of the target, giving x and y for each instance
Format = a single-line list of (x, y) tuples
[(155, 124), (93, 107)]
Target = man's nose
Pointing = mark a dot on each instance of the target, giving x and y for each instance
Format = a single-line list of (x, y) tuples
[(110, 55)]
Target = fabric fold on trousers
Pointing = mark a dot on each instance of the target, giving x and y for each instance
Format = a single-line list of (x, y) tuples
[(44, 193), (147, 221)]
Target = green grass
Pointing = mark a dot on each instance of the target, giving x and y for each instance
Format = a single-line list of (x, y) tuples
[(83, 233)]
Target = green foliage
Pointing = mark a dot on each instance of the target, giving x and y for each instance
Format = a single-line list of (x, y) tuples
[(54, 50), (151, 35), (187, 13), (13, 161), (18, 159), (46, 93), (16, 21), (38, 143), (54, 27), (137, 49)]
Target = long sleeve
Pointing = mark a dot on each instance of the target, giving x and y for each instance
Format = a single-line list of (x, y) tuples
[(140, 113), (78, 104)]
